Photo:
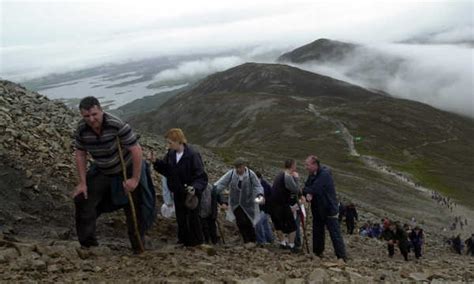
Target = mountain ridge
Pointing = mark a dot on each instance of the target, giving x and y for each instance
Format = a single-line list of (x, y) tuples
[(250, 110)]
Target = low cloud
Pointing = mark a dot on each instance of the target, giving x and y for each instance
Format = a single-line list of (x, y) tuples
[(438, 75), (199, 68)]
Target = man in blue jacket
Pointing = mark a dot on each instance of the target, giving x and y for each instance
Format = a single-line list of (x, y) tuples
[(319, 190)]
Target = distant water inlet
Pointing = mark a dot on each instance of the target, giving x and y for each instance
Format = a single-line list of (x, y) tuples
[(111, 93)]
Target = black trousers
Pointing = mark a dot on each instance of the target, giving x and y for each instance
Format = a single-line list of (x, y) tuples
[(417, 248), (245, 226), (332, 224), (209, 230), (189, 222), (403, 250), (470, 250), (99, 197), (350, 226)]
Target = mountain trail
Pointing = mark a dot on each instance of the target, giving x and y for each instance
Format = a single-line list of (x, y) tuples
[(378, 165)]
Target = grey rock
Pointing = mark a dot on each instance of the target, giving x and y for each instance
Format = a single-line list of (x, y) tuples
[(251, 281), (38, 264), (419, 276), (295, 281), (318, 275)]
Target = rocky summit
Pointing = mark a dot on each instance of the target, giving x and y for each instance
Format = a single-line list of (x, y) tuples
[(38, 242)]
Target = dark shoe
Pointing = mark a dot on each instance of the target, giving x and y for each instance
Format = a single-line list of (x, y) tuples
[(91, 243), (137, 251), (284, 246), (295, 250), (343, 259)]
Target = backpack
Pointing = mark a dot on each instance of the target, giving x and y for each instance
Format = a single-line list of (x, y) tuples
[(205, 208)]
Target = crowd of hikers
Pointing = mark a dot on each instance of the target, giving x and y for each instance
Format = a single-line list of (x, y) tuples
[(458, 222), (443, 200), (458, 245), (120, 178)]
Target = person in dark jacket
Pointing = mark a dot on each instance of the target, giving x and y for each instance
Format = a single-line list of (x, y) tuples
[(395, 234), (183, 167), (263, 229), (319, 190), (457, 244), (285, 192), (351, 217), (417, 238), (470, 245)]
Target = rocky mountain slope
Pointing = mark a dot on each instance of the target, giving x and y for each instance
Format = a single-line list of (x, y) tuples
[(38, 243)]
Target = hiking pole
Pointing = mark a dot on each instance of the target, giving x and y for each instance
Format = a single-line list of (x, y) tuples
[(221, 232), (130, 199), (302, 219)]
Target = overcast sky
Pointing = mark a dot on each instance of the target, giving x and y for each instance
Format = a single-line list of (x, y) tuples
[(38, 37)]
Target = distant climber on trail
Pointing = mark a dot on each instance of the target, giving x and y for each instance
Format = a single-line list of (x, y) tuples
[(244, 192), (351, 218), (470, 245), (319, 190), (101, 188), (184, 171)]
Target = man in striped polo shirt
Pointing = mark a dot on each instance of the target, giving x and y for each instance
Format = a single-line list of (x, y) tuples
[(97, 192)]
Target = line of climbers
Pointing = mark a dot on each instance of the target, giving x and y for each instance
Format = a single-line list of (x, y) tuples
[(251, 201)]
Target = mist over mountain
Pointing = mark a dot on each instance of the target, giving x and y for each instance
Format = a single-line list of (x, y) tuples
[(439, 75), (457, 35)]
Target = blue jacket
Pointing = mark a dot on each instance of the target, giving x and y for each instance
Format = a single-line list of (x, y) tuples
[(321, 186), (416, 239)]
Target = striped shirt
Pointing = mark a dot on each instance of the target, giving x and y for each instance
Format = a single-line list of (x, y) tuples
[(103, 148)]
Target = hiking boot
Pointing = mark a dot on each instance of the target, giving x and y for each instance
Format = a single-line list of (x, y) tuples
[(341, 261), (320, 255), (89, 244)]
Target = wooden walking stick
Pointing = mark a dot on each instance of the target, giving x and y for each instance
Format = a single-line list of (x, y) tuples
[(305, 238), (130, 199), (221, 232)]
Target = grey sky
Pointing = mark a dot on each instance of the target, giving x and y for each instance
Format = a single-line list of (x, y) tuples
[(38, 37)]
